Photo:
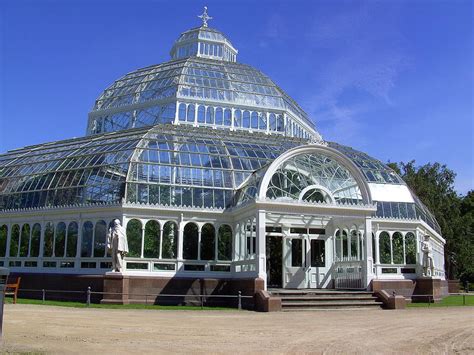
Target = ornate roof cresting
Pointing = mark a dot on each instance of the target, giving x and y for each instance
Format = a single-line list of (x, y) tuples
[(205, 17)]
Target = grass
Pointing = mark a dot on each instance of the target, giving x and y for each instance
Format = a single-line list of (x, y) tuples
[(450, 301), (114, 306)]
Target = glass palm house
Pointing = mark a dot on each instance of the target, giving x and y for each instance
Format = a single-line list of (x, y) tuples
[(216, 174)]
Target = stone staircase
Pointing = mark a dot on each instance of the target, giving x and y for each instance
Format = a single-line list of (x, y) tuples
[(302, 300)]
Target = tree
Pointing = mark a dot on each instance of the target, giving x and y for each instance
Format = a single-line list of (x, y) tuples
[(434, 186)]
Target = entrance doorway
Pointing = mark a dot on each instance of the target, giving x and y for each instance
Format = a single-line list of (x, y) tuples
[(274, 253), (304, 262)]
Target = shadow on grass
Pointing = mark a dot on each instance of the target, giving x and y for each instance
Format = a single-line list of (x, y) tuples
[(112, 306)]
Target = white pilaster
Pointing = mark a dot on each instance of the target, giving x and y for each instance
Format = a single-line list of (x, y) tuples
[(260, 252)]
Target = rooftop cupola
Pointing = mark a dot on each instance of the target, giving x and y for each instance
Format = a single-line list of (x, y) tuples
[(204, 42)]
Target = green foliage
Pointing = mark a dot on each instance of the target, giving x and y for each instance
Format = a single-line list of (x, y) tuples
[(434, 185), (134, 238), (151, 248)]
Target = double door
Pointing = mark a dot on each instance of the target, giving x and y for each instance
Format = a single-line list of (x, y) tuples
[(304, 261)]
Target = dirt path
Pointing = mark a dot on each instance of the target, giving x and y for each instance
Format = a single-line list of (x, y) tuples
[(32, 328)]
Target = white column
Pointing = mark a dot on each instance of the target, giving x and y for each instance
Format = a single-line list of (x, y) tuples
[(377, 248), (180, 240), (77, 260), (369, 259), (142, 249), (260, 253), (216, 241), (9, 239), (391, 247), (161, 241), (199, 242)]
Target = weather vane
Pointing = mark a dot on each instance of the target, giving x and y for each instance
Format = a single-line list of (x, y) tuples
[(205, 17)]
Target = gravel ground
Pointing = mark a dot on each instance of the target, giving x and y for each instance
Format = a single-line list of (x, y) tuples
[(46, 329)]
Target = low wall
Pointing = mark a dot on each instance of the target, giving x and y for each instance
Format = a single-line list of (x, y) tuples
[(59, 282), (421, 289), (147, 290)]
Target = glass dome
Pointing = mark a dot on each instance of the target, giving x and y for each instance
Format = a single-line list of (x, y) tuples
[(202, 85)]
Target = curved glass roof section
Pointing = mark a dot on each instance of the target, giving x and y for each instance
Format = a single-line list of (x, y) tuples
[(194, 79), (167, 165)]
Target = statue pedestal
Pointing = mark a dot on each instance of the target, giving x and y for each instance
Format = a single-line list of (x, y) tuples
[(116, 288), (429, 289)]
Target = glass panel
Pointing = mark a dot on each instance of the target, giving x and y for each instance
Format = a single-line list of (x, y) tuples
[(3, 239), (48, 240), (397, 244), (25, 240), (15, 240), (296, 252), (100, 239), (170, 240), (224, 247), (190, 242), (87, 236), (208, 235), (72, 234), (410, 248), (60, 239), (134, 238), (384, 246), (354, 244), (152, 240), (318, 253)]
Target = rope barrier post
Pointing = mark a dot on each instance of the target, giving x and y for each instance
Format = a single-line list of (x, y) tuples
[(88, 301), (44, 294), (240, 301)]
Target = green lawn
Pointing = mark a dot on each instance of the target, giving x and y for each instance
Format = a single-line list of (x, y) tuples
[(455, 300), (9, 300)]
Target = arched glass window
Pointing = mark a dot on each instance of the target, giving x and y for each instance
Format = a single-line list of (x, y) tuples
[(190, 115), (87, 236), (210, 115), (354, 244), (228, 117), (262, 121), (25, 240), (71, 247), (410, 248), (237, 118), (60, 239), (170, 241), (134, 238), (224, 246), (316, 195), (201, 114), (219, 116), (3, 239), (314, 178), (100, 236), (15, 240), (345, 246), (254, 120), (151, 247), (48, 239), (208, 239), (272, 122), (338, 245), (35, 240), (246, 119), (182, 112), (397, 246), (190, 242), (384, 248)]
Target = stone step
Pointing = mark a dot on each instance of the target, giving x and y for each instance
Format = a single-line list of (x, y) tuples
[(330, 304), (325, 298)]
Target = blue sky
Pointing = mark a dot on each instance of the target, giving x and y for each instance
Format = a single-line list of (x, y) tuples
[(391, 78)]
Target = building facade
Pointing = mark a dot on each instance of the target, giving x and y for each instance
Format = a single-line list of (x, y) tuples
[(216, 174)]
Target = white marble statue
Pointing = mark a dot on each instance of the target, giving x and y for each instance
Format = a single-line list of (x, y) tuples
[(117, 244), (428, 267)]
